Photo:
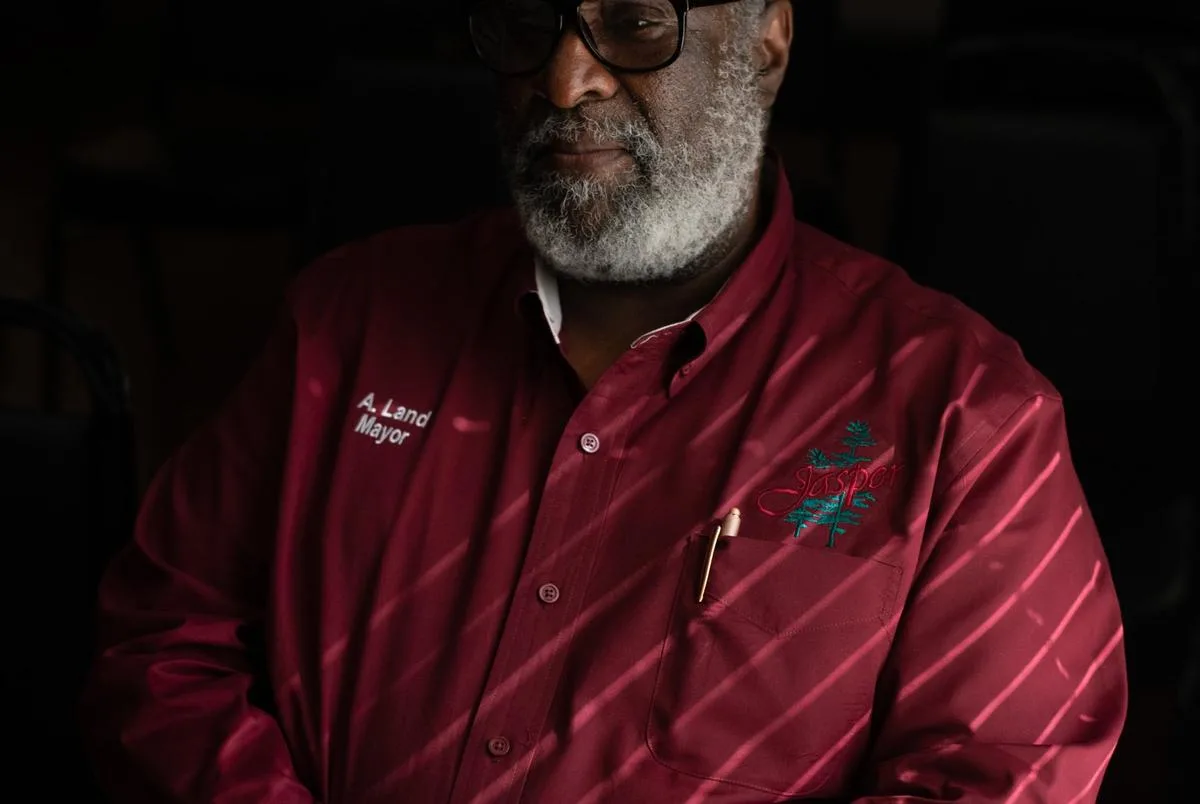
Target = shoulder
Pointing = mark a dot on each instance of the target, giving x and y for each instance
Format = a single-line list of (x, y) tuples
[(958, 368), (879, 294)]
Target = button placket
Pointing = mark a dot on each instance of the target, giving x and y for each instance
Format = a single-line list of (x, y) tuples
[(571, 503)]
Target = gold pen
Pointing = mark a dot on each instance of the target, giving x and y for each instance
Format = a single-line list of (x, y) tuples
[(729, 529)]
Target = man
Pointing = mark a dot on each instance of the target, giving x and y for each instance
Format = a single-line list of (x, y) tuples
[(644, 493)]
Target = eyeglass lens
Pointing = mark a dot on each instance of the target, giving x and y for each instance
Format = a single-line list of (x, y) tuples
[(515, 36)]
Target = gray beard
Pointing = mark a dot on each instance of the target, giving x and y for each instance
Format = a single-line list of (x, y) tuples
[(682, 201)]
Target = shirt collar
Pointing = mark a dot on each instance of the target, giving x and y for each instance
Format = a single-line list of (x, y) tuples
[(546, 284)]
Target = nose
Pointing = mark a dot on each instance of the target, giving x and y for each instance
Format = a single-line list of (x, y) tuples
[(573, 76)]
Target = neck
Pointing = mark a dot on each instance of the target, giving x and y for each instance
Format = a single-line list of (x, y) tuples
[(600, 321)]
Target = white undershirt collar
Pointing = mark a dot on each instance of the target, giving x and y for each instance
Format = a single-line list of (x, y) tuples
[(547, 290)]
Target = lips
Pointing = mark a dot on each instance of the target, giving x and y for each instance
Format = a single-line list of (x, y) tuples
[(589, 157), (581, 148)]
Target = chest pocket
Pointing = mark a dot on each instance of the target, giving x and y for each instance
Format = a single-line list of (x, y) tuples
[(757, 683)]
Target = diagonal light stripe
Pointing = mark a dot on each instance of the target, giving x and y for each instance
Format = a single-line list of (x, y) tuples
[(987, 625), (1082, 794), (1017, 681), (1029, 778), (380, 615), (416, 668), (385, 612), (748, 747), (919, 522), (862, 722), (769, 649), (1083, 683), (585, 715), (994, 533), (970, 477), (833, 751), (611, 426), (447, 737), (794, 359), (788, 452)]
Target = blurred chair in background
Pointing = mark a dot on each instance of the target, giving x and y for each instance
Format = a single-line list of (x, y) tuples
[(67, 489), (1052, 186)]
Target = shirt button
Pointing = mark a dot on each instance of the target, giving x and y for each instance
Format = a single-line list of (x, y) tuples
[(499, 747), (590, 443), (549, 593)]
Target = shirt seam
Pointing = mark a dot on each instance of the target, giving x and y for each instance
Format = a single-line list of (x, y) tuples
[(969, 462)]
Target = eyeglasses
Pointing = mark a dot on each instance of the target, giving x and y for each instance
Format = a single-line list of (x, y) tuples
[(518, 37)]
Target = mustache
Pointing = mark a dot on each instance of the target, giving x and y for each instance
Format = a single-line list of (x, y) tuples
[(572, 126)]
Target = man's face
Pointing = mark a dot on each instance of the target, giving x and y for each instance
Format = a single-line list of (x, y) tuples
[(635, 177)]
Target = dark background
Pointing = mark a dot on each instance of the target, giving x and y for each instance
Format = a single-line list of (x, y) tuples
[(166, 166)]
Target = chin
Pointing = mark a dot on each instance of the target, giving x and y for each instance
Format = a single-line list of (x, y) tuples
[(588, 219), (579, 182), (581, 207)]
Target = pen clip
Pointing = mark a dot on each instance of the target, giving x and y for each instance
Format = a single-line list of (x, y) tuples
[(708, 560), (729, 528)]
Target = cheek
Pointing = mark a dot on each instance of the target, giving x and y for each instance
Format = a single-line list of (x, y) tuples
[(667, 106), (675, 99)]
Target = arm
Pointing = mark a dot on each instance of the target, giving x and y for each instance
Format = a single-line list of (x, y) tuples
[(1006, 682), (166, 709)]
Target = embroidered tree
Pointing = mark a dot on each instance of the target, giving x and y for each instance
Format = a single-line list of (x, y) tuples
[(830, 512), (858, 437)]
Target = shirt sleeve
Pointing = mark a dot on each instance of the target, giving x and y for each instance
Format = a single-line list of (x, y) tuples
[(167, 707), (1006, 681)]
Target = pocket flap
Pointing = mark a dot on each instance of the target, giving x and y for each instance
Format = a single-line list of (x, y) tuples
[(786, 587)]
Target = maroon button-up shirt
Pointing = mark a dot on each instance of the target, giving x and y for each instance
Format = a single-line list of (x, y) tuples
[(411, 561)]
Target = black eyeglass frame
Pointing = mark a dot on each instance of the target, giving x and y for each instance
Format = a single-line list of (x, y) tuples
[(565, 7)]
